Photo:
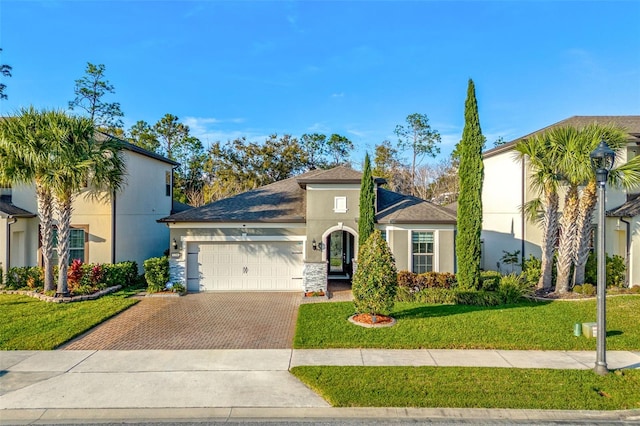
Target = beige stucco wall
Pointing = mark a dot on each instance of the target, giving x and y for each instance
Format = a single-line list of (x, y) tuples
[(139, 206)]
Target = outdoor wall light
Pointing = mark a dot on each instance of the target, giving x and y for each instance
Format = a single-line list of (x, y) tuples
[(174, 244), (314, 245), (602, 159)]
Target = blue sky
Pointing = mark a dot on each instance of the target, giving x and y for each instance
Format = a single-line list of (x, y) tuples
[(356, 68)]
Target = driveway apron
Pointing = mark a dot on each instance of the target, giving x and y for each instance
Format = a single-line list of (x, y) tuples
[(238, 320)]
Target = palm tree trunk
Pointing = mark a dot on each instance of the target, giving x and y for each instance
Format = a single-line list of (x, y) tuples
[(566, 244), (45, 215), (63, 204), (549, 239), (584, 225)]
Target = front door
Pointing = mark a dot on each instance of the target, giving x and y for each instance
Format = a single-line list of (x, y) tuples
[(340, 253)]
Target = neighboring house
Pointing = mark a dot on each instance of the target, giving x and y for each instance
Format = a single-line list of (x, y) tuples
[(295, 234), (120, 227), (507, 187)]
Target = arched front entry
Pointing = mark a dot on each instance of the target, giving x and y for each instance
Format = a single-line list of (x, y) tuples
[(340, 243)]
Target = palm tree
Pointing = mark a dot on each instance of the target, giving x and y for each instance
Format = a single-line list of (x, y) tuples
[(25, 146), (539, 151), (626, 175), (81, 163)]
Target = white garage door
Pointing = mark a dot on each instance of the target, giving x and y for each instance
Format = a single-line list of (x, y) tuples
[(245, 266)]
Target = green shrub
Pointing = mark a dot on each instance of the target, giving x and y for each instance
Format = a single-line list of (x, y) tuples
[(417, 282), (635, 289), (156, 273), (123, 273), (375, 281), (615, 266), (577, 289), (532, 269), (477, 298), (442, 296), (588, 289), (24, 277), (489, 280), (178, 288), (512, 288)]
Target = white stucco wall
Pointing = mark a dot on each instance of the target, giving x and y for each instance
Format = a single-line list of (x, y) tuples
[(501, 200)]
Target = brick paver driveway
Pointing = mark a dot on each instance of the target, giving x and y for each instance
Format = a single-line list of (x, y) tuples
[(242, 320)]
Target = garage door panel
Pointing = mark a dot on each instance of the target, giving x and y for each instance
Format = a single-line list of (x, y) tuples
[(263, 266)]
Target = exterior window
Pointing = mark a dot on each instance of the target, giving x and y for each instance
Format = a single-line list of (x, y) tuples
[(422, 247), (340, 204), (77, 245), (167, 183)]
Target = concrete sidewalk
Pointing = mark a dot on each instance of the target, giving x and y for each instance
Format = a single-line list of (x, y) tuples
[(188, 384)]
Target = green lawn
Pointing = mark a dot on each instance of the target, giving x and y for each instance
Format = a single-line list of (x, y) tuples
[(527, 325), (31, 324), (465, 387)]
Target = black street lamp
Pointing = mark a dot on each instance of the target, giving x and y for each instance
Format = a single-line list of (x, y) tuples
[(602, 159)]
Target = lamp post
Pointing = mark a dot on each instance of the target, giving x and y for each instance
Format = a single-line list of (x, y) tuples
[(602, 159)]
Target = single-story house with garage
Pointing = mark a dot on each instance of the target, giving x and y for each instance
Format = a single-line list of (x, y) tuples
[(296, 234)]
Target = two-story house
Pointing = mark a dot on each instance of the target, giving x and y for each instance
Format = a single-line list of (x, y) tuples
[(119, 227), (296, 234), (507, 187)]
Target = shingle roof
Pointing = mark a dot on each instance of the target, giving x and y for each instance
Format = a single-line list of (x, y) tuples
[(631, 123), (134, 148), (629, 209), (277, 202), (7, 209), (398, 208), (284, 202)]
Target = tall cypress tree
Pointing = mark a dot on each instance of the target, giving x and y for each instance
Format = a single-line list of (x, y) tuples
[(367, 206), (471, 175)]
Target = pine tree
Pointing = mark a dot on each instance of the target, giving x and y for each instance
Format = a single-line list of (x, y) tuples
[(367, 207), (471, 174)]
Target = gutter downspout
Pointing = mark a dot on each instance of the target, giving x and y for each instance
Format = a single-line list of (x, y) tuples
[(522, 219), (7, 256), (113, 227), (627, 254)]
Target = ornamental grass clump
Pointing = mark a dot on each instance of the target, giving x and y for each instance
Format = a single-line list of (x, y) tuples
[(375, 281)]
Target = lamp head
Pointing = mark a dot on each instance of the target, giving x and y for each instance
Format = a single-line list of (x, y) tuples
[(602, 159)]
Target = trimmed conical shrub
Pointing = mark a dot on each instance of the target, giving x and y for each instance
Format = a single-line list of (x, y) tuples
[(375, 281)]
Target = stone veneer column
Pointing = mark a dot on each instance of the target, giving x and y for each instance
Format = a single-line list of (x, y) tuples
[(177, 271), (315, 277)]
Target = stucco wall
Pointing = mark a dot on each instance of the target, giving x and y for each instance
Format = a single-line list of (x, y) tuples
[(399, 239), (139, 206), (501, 201), (321, 216)]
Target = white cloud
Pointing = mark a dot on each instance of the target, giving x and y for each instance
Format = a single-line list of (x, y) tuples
[(337, 95)]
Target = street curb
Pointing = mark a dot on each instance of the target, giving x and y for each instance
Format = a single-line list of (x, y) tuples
[(41, 416)]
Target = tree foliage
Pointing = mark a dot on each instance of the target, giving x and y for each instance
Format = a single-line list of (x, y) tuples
[(366, 221), (338, 148), (239, 165), (471, 175), (5, 71), (314, 146), (90, 91), (419, 138), (375, 281)]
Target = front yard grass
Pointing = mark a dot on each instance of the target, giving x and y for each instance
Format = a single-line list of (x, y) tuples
[(525, 326), (465, 387), (31, 324)]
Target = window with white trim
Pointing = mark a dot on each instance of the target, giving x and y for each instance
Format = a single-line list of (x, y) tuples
[(340, 204), (422, 249), (78, 242)]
